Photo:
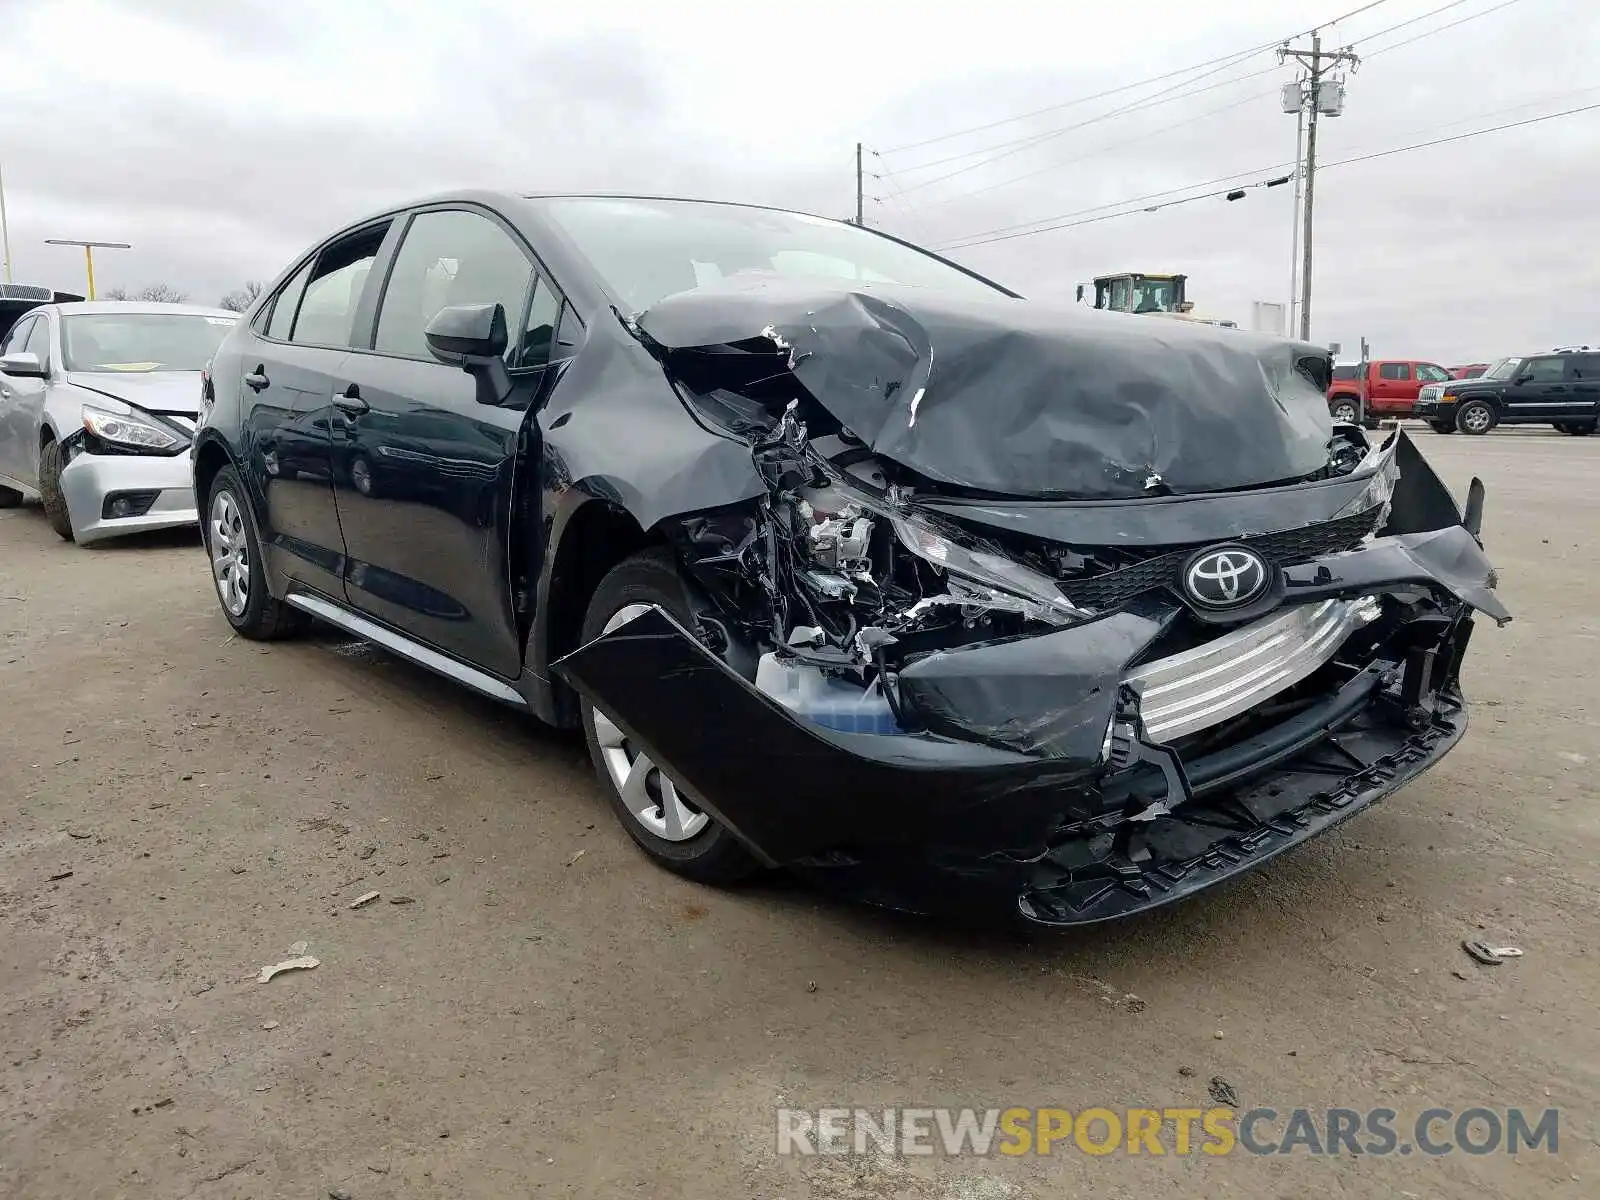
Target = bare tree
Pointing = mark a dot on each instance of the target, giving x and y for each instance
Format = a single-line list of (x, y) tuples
[(241, 298), (116, 293), (161, 293)]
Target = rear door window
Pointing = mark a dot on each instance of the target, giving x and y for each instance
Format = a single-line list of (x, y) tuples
[(1584, 368), (328, 308), (1394, 370)]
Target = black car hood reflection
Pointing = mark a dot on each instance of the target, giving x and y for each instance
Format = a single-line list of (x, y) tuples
[(1015, 398)]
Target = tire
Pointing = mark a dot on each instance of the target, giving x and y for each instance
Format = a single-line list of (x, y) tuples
[(1344, 410), (228, 530), (1476, 417), (1562, 427), (10, 497), (709, 854), (1441, 426), (1581, 428), (55, 504)]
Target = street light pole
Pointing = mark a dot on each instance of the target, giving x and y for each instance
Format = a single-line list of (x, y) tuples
[(88, 253), (5, 230)]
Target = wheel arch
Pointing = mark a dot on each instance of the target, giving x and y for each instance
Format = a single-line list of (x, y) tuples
[(587, 539), (210, 456)]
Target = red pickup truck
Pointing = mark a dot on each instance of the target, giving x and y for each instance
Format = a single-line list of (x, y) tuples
[(1391, 388)]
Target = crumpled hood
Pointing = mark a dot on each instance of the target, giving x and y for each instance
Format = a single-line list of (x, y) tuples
[(153, 391), (1019, 398)]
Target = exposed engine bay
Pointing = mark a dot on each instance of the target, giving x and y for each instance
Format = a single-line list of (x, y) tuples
[(1080, 589)]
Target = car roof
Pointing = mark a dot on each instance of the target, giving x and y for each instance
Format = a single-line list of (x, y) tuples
[(90, 307)]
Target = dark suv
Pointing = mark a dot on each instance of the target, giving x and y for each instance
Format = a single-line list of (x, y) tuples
[(1560, 388)]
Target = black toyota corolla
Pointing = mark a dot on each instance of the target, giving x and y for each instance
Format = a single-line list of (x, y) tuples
[(844, 558)]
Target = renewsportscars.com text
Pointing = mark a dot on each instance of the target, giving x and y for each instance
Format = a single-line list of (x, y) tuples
[(1162, 1131)]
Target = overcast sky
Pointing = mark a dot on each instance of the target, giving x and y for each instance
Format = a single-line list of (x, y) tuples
[(222, 136)]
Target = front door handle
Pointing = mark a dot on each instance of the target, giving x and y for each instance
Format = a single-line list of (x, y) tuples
[(257, 379), (350, 401)]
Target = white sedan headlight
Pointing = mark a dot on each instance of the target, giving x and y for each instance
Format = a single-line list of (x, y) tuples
[(125, 429)]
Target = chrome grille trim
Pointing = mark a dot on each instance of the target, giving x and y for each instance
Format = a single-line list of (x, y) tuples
[(1199, 688)]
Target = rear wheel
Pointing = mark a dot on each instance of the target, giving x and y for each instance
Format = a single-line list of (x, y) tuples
[(1561, 427), (1344, 411), (1581, 428), (230, 536), (1476, 417), (656, 811), (55, 504), (1441, 426)]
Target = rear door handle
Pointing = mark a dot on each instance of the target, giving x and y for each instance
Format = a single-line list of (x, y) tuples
[(257, 379), (350, 401)]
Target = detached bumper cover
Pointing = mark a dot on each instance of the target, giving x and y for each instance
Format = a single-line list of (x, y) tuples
[(89, 479), (933, 823)]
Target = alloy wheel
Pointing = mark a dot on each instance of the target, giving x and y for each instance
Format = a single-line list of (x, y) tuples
[(230, 553), (646, 792), (1476, 419), (1345, 414)]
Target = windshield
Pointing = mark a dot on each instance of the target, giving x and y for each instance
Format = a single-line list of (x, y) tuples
[(1504, 369), (644, 250), (141, 341), (1155, 295)]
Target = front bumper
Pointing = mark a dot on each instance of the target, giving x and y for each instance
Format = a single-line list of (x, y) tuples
[(90, 481), (934, 823), (1434, 410)]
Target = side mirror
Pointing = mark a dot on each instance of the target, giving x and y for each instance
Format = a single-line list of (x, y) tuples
[(473, 336), (1080, 293), (22, 365)]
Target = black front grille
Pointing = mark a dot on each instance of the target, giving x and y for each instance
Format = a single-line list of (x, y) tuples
[(1281, 549)]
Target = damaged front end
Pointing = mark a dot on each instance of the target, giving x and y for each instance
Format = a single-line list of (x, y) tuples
[(1070, 710)]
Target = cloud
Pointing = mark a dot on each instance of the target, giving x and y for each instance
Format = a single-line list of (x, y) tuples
[(220, 139)]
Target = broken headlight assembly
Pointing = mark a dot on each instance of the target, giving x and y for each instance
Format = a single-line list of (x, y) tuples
[(1386, 472), (983, 579), (126, 431)]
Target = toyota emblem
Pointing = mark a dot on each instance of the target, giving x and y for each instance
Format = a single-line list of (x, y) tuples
[(1225, 578)]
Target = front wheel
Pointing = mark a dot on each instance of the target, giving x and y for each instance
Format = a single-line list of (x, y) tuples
[(1475, 417), (1441, 426), (1581, 428), (657, 811), (236, 568), (55, 504), (1345, 412)]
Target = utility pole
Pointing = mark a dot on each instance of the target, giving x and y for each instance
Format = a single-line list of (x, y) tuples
[(88, 253), (1294, 239), (1326, 98), (860, 199)]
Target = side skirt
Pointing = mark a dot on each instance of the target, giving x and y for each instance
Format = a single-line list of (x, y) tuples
[(398, 644)]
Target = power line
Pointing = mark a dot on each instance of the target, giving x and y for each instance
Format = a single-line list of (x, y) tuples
[(1117, 145), (1147, 102), (1230, 180), (1062, 222), (1128, 87), (1437, 29), (1433, 12), (1461, 137)]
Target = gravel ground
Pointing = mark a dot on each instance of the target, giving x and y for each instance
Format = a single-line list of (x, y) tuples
[(529, 1008)]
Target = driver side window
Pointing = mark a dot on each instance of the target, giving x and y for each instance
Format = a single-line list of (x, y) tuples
[(18, 337), (1544, 370), (39, 341)]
